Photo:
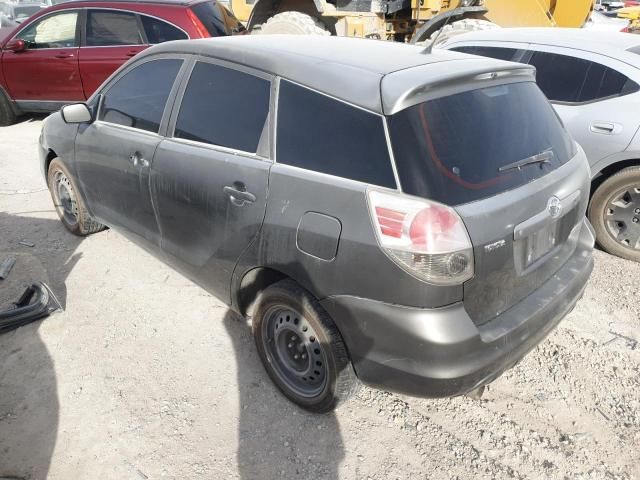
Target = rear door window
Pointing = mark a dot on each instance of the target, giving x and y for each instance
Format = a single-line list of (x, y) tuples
[(224, 107), (491, 52), (106, 27), (325, 135), (568, 79), (158, 31), (465, 147), (138, 98)]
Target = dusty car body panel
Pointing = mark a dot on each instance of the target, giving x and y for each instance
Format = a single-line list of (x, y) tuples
[(224, 217)]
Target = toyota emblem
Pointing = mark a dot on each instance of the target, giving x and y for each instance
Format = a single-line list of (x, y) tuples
[(554, 207)]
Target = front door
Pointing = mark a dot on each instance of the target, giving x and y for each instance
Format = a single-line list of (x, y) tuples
[(111, 38), (209, 181), (114, 153), (47, 70)]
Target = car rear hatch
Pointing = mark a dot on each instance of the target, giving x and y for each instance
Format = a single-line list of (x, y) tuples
[(500, 155)]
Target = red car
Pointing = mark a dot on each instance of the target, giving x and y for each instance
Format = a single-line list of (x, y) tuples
[(64, 53)]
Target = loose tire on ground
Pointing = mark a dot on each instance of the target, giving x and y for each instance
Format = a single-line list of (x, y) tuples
[(69, 205), (621, 188), (296, 23), (289, 321), (7, 115)]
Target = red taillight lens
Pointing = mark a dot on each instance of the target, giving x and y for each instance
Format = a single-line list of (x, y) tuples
[(197, 24), (427, 239)]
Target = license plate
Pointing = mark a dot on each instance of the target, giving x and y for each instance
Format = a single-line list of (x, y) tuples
[(541, 242)]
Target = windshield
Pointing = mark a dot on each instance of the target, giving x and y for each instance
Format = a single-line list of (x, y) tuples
[(24, 11), (473, 145)]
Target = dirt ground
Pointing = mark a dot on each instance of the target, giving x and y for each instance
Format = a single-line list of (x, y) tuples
[(144, 376)]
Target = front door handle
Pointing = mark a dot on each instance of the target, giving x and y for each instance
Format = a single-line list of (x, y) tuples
[(238, 195), (64, 55), (605, 128), (137, 161)]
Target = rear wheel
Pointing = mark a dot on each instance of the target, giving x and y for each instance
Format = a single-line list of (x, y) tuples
[(614, 213), (68, 202), (301, 348), (296, 23), (7, 114)]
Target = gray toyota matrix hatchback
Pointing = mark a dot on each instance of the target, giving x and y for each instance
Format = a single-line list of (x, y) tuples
[(414, 221)]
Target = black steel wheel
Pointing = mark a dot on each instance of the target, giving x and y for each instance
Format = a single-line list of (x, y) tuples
[(68, 202), (615, 214), (301, 348)]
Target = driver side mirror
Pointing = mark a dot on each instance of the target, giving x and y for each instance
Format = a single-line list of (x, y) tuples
[(17, 45), (76, 113)]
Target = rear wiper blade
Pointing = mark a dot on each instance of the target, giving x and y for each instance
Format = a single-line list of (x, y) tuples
[(543, 157)]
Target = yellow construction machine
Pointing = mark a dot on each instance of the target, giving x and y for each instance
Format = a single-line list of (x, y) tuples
[(405, 20), (633, 15)]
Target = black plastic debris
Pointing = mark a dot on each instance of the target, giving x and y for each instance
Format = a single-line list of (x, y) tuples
[(5, 267), (35, 303)]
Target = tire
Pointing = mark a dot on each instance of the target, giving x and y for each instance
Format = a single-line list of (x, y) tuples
[(69, 204), (463, 26), (296, 23), (617, 225), (289, 321), (7, 114)]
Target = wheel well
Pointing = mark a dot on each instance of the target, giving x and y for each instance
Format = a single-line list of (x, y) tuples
[(612, 170), (254, 282), (50, 156)]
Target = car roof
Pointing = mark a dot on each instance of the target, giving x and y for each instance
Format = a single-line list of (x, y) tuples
[(611, 44), (350, 69)]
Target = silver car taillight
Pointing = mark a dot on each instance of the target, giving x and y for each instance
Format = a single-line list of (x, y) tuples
[(427, 239)]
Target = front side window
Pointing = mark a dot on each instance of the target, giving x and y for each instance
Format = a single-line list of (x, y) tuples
[(224, 107), (575, 80), (105, 27), (319, 133), (476, 144), (55, 31), (138, 98), (158, 31)]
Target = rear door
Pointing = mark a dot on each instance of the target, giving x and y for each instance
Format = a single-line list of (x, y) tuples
[(111, 37), (209, 180), (114, 153), (48, 69), (593, 94), (502, 158)]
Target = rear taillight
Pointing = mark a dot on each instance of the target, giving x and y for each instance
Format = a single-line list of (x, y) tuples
[(198, 25), (425, 238)]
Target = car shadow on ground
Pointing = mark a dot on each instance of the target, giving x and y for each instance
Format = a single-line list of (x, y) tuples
[(29, 405), (276, 439)]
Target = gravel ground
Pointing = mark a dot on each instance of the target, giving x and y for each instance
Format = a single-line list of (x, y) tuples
[(144, 375)]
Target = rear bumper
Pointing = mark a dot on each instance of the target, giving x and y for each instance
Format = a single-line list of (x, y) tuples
[(441, 352)]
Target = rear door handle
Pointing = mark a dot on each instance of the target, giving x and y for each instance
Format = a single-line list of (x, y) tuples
[(605, 128), (239, 197), (132, 53)]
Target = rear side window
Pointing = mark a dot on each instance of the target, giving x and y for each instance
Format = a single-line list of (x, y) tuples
[(224, 107), (106, 27), (319, 133), (492, 52), (574, 80), (216, 19), (138, 98), (158, 31), (466, 147)]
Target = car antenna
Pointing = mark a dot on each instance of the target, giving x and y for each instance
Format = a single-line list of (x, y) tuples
[(429, 48)]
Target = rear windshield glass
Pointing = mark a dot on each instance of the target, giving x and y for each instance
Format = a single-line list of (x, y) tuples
[(476, 144), (217, 19)]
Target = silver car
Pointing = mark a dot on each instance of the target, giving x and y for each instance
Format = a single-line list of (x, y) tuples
[(593, 81)]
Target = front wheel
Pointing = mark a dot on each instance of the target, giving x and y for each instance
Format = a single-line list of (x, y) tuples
[(614, 213), (301, 348), (69, 204)]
